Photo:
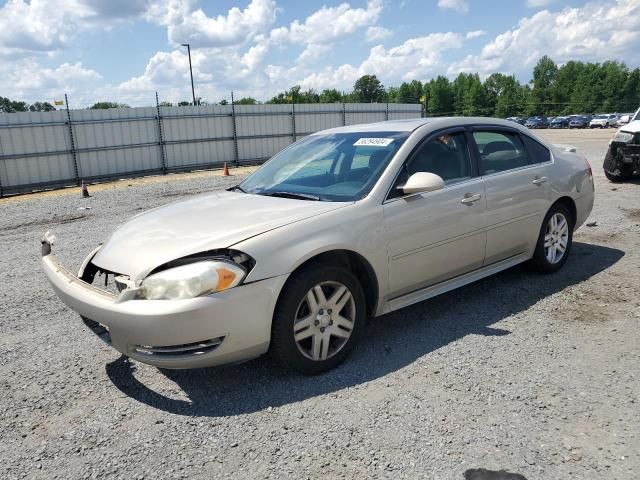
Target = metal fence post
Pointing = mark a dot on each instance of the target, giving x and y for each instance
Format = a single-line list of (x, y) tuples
[(163, 159), (386, 115), (1, 193), (235, 131), (293, 121), (73, 143), (344, 114)]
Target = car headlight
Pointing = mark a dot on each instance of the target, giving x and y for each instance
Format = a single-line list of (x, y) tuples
[(192, 280), (622, 137)]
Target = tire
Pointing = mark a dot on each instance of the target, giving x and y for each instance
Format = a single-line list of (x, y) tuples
[(550, 238), (615, 172), (311, 338)]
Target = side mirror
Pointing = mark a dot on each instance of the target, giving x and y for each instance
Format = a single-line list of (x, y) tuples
[(423, 182)]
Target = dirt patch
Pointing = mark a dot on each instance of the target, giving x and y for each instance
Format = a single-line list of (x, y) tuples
[(601, 235), (55, 220), (633, 213), (179, 194)]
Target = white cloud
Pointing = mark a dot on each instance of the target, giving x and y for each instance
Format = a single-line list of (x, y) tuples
[(461, 6), (475, 34), (376, 33), (313, 52), (188, 24), (329, 24), (30, 81), (538, 3), (48, 25), (600, 30), (416, 58)]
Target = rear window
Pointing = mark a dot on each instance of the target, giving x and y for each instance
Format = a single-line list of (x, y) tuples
[(537, 153)]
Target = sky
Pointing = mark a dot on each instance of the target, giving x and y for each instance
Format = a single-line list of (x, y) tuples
[(126, 50)]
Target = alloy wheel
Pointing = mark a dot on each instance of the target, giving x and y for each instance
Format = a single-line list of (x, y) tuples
[(324, 320), (556, 238)]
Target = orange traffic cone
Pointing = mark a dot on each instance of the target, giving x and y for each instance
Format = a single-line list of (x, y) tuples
[(85, 191), (225, 170)]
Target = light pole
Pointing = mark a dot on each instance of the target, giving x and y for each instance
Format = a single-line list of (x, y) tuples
[(193, 92)]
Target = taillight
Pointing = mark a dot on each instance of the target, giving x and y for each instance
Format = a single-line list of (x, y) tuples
[(590, 172)]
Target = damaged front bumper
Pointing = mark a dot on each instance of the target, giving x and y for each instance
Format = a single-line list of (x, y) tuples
[(627, 154), (226, 327)]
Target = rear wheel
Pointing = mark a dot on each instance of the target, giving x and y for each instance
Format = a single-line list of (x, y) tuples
[(554, 240), (614, 170), (319, 317)]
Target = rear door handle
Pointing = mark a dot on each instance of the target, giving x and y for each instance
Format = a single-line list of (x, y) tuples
[(539, 180), (470, 198)]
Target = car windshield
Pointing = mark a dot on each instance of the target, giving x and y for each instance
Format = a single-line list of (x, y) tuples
[(330, 167), (602, 117)]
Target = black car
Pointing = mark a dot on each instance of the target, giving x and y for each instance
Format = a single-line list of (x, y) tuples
[(559, 122), (537, 122), (579, 122)]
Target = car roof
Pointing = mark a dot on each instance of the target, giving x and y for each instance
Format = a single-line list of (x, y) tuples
[(409, 125)]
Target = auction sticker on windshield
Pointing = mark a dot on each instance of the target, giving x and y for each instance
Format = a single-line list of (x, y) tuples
[(374, 142)]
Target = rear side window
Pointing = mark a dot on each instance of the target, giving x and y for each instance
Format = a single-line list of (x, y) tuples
[(537, 153), (499, 151)]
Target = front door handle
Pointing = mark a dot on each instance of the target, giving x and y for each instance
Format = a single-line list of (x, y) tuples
[(539, 180), (469, 198)]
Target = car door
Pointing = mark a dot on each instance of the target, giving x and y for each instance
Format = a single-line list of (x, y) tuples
[(517, 192), (436, 235)]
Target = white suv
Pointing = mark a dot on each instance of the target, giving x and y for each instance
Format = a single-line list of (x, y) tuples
[(604, 121)]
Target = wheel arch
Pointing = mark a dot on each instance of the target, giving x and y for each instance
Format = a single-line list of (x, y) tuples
[(570, 204), (355, 263)]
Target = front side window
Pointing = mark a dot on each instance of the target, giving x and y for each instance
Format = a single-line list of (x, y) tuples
[(499, 151), (329, 167), (445, 155)]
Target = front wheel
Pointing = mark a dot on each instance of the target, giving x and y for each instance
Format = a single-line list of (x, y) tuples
[(614, 170), (318, 319), (554, 240)]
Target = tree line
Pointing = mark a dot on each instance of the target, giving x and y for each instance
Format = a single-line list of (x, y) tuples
[(575, 87), (11, 106)]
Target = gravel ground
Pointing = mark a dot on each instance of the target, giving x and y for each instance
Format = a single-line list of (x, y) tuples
[(533, 374)]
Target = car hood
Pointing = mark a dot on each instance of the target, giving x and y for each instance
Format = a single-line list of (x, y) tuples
[(631, 127), (206, 222)]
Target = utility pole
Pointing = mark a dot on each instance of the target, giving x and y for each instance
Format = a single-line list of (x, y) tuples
[(193, 92)]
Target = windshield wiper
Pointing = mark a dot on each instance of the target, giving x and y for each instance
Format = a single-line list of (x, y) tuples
[(236, 187), (298, 196)]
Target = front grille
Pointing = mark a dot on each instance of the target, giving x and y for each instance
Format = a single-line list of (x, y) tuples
[(102, 331), (105, 280), (186, 349)]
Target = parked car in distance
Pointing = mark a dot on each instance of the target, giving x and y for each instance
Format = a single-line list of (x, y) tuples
[(559, 122), (537, 122), (604, 121), (518, 120), (624, 119), (578, 122), (343, 225)]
